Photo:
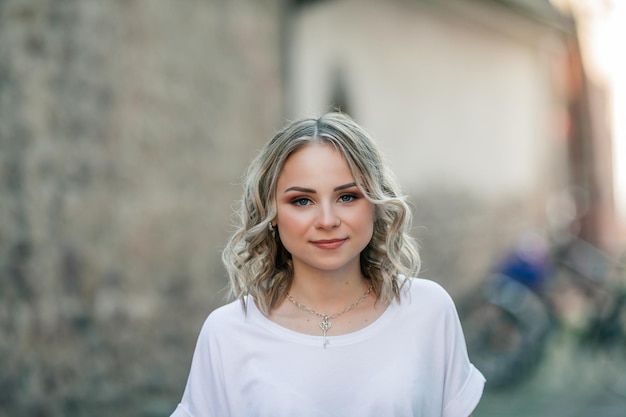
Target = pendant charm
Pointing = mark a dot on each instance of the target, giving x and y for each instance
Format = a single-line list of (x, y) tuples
[(325, 325)]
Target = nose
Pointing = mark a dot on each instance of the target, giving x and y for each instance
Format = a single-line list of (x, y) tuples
[(327, 218)]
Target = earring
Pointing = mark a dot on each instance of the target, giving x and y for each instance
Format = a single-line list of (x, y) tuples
[(271, 227)]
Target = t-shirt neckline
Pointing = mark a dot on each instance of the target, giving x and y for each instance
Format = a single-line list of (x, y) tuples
[(314, 340)]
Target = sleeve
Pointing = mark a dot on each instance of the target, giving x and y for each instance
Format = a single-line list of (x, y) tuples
[(463, 383), (204, 394), (180, 412)]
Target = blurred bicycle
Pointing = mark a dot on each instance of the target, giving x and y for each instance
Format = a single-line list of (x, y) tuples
[(508, 323)]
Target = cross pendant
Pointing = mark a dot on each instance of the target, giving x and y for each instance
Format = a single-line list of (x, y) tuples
[(325, 325)]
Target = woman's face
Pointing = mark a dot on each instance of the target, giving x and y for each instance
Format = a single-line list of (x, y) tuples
[(323, 219)]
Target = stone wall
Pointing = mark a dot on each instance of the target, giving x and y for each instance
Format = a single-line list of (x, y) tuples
[(124, 129)]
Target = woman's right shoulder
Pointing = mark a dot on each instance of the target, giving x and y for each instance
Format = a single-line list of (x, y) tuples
[(228, 316), (233, 311)]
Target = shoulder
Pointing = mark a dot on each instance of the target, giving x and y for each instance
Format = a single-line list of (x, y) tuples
[(232, 310), (223, 318), (423, 293), (420, 287)]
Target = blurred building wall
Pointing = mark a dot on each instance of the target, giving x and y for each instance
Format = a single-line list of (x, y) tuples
[(467, 99)]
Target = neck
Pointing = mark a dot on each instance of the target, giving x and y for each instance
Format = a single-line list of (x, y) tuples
[(328, 292)]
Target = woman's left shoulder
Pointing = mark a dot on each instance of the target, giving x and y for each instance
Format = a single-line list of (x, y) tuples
[(425, 290)]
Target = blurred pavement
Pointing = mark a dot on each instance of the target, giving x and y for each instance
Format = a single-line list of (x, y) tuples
[(573, 380)]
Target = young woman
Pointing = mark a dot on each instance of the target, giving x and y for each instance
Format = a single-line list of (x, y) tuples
[(328, 322)]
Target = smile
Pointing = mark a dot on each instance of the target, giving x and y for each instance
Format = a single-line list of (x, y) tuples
[(328, 244)]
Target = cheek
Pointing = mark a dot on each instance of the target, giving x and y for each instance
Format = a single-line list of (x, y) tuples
[(292, 230), (362, 221), (371, 228), (291, 221), (368, 216), (370, 219)]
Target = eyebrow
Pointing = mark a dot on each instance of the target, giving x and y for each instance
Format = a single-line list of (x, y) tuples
[(312, 191)]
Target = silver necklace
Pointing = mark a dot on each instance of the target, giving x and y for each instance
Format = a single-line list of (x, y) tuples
[(325, 324)]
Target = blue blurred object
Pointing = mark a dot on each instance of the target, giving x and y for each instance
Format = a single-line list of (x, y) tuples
[(528, 263)]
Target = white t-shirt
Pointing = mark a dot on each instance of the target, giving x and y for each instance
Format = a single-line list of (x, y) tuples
[(412, 361)]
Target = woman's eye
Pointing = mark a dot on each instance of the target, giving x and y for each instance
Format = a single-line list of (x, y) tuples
[(347, 198), (301, 202)]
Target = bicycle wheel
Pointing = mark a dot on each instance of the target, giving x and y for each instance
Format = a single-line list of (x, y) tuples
[(495, 345), (506, 333)]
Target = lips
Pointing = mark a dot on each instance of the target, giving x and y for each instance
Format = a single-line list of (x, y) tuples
[(328, 244)]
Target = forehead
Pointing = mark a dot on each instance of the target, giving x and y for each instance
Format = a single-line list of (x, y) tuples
[(314, 161)]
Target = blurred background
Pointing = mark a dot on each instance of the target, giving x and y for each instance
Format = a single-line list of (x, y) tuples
[(126, 126)]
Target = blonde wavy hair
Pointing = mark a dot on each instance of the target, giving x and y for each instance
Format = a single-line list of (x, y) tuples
[(255, 259)]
